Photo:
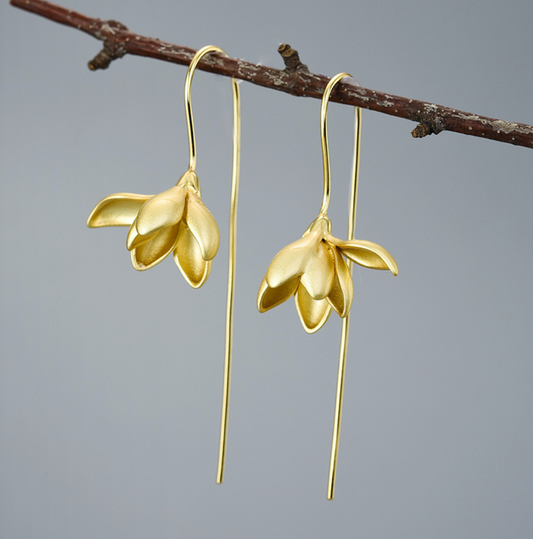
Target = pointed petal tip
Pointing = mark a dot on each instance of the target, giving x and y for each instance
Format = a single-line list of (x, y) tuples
[(268, 297), (260, 293), (188, 257), (369, 255), (119, 209), (195, 280), (139, 266), (311, 330), (313, 313)]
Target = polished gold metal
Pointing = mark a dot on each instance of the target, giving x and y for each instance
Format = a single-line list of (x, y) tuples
[(231, 281), (346, 320), (177, 221), (313, 269)]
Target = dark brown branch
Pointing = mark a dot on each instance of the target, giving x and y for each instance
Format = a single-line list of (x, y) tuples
[(295, 79)]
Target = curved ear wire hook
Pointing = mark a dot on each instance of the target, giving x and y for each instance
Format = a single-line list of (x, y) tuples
[(351, 232), (324, 139), (232, 235)]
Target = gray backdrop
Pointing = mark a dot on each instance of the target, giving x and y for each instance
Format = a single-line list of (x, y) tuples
[(111, 379)]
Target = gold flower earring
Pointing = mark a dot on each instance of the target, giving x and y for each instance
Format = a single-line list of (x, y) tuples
[(314, 271), (177, 221)]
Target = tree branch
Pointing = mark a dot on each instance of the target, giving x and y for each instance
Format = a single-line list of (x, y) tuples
[(295, 79)]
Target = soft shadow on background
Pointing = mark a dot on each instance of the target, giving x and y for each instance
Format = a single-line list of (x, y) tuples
[(111, 380)]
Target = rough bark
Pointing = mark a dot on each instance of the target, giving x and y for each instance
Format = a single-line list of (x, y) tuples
[(295, 79)]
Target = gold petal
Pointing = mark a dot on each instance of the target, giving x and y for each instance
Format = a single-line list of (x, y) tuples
[(157, 247), (319, 275), (119, 209), (341, 295), (268, 298), (368, 254), (203, 226), (134, 239), (188, 258), (162, 210), (313, 313), (292, 260)]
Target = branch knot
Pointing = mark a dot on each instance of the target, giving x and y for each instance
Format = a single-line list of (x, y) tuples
[(109, 33), (431, 123), (291, 58)]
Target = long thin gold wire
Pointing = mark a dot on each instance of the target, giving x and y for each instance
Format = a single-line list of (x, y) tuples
[(232, 235), (231, 280), (346, 320), (324, 139)]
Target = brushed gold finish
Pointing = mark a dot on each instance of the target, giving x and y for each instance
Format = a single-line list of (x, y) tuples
[(177, 221), (116, 210), (313, 269)]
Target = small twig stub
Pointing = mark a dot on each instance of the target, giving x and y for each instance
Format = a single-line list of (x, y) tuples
[(295, 79)]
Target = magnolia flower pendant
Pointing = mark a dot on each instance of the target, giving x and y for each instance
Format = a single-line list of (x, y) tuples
[(317, 270), (313, 269), (175, 221)]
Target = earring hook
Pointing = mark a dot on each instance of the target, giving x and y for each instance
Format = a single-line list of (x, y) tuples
[(351, 235), (324, 139), (187, 97), (232, 235)]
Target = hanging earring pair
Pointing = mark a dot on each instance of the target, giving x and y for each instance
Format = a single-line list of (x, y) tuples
[(177, 221), (313, 269)]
